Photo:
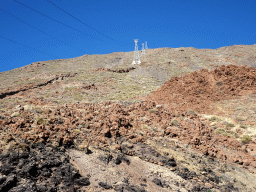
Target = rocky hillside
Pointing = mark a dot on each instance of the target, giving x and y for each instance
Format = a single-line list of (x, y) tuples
[(183, 120)]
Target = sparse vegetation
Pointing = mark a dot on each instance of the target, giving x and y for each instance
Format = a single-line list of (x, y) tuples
[(70, 88), (191, 112), (175, 122), (152, 110), (43, 121), (77, 96), (225, 132), (246, 139), (214, 118), (230, 125), (77, 131), (220, 131), (243, 126), (240, 119)]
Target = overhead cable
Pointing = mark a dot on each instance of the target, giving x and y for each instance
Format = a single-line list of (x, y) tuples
[(41, 31), (81, 21), (58, 21), (29, 47)]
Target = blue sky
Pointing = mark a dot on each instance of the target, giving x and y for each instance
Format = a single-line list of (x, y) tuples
[(111, 25)]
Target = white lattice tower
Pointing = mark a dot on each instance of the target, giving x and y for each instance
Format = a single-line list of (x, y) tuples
[(143, 50), (146, 45), (136, 57)]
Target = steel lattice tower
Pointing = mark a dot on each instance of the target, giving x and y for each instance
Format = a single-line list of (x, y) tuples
[(136, 57), (146, 46), (143, 50)]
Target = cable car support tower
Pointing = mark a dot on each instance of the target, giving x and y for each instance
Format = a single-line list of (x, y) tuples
[(136, 57)]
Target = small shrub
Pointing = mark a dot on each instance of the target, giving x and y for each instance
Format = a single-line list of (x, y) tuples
[(175, 122), (243, 126), (232, 134), (213, 119), (152, 110), (70, 88), (37, 110), (77, 131), (145, 127), (220, 83), (41, 121), (226, 133), (240, 119), (230, 125), (191, 112), (221, 131), (182, 117), (246, 139)]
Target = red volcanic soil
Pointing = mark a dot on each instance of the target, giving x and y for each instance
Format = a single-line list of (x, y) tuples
[(196, 91)]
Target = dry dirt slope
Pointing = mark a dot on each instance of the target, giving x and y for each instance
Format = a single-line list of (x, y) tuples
[(49, 141), (64, 80)]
